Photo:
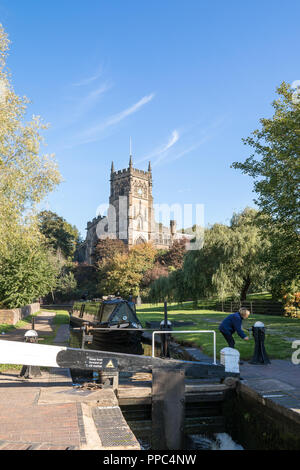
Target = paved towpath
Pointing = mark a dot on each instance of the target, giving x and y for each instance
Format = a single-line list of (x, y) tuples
[(24, 424), (43, 323), (49, 413), (279, 381)]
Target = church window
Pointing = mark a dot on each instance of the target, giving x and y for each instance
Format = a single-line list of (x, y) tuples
[(139, 224)]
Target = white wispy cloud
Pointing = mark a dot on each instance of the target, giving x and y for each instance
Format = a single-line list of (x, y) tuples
[(127, 112), (189, 149), (174, 138), (94, 133), (87, 81), (81, 105), (161, 151), (92, 98), (167, 154)]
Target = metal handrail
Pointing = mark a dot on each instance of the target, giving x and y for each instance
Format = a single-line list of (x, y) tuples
[(109, 330), (184, 331)]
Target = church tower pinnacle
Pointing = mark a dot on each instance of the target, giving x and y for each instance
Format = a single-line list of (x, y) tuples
[(130, 154)]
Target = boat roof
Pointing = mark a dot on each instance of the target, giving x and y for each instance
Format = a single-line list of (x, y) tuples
[(114, 301)]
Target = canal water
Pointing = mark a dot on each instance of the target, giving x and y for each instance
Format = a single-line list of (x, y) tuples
[(213, 441), (218, 441)]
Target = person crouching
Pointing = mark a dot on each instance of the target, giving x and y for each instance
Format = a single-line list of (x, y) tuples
[(232, 324)]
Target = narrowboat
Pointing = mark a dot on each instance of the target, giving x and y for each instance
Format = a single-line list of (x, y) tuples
[(114, 316)]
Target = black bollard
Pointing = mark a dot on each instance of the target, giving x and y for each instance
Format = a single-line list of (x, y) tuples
[(260, 355), (28, 372)]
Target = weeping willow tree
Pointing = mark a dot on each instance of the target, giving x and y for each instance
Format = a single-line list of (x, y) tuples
[(26, 177), (230, 263), (201, 265), (172, 288)]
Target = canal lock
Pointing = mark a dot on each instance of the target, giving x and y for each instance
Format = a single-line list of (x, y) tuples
[(205, 425)]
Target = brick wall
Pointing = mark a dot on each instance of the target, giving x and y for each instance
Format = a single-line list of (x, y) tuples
[(11, 317)]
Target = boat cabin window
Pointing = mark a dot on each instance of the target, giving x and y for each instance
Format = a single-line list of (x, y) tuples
[(106, 312), (123, 314)]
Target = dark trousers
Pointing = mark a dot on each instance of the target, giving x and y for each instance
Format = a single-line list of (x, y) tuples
[(229, 339)]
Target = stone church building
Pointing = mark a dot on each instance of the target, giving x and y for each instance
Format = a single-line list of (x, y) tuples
[(130, 215)]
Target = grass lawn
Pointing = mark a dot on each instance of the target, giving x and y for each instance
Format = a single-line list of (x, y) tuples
[(205, 303), (280, 331), (260, 296), (61, 317)]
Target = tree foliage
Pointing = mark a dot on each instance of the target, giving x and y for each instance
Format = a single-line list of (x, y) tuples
[(26, 177), (124, 271), (277, 173), (174, 256), (275, 168), (107, 248), (172, 288), (230, 262), (26, 271), (154, 273), (60, 235)]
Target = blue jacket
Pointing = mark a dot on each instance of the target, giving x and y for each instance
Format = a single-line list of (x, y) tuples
[(231, 324)]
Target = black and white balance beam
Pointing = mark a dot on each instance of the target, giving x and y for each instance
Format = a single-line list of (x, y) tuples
[(33, 354)]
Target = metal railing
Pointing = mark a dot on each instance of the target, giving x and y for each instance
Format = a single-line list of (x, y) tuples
[(181, 332), (166, 332)]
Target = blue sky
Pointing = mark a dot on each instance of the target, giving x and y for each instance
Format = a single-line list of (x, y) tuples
[(187, 80)]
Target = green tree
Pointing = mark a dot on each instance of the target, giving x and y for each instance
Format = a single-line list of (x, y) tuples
[(107, 248), (154, 273), (26, 177), (26, 271), (275, 168), (60, 235), (124, 271), (229, 264), (121, 277), (200, 266), (244, 263), (66, 286), (174, 256), (160, 290), (87, 279)]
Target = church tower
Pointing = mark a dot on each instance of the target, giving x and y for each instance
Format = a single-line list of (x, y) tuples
[(131, 196)]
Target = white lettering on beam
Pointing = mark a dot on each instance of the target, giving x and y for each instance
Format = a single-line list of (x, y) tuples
[(31, 354)]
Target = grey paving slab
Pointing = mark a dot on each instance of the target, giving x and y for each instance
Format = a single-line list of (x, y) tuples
[(268, 385), (288, 402), (62, 335)]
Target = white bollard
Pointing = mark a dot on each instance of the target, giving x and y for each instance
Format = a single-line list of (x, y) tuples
[(31, 336), (230, 358)]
